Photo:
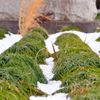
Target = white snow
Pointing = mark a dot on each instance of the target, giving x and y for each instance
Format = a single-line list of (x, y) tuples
[(50, 44), (58, 96), (93, 44), (50, 88), (47, 68), (8, 41)]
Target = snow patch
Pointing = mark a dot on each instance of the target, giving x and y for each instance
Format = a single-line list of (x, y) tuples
[(9, 40), (58, 96), (50, 88)]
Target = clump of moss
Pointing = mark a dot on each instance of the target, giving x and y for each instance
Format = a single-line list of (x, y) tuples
[(98, 39), (3, 31), (77, 67), (98, 16), (69, 28)]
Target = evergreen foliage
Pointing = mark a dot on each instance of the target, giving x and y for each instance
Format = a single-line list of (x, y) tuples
[(19, 67), (70, 28), (78, 67)]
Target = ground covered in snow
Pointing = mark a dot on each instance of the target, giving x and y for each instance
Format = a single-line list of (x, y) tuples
[(9, 40)]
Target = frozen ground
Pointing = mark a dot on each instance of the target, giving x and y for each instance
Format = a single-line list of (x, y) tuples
[(58, 96)]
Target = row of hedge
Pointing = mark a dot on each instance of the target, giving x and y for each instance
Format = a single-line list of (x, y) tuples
[(19, 68), (78, 68)]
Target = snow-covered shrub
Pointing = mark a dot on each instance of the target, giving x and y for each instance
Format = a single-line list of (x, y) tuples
[(78, 68)]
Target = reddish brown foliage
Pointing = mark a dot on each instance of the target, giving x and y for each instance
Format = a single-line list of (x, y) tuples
[(28, 14)]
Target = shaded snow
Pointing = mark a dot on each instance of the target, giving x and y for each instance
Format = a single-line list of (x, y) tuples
[(9, 40)]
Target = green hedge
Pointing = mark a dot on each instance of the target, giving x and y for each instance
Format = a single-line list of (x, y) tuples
[(70, 28), (40, 30), (19, 67), (78, 68), (3, 31), (98, 39), (32, 45)]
